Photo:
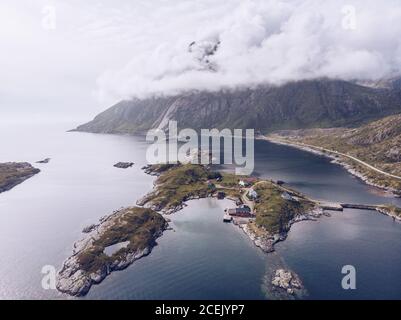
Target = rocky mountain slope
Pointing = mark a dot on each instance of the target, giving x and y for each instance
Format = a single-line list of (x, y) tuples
[(304, 104)]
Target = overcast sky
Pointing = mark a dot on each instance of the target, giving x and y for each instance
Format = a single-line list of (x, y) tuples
[(78, 57)]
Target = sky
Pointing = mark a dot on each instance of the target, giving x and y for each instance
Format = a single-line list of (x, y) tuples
[(76, 58)]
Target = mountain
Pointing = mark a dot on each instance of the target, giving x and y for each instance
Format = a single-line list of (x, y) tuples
[(304, 104)]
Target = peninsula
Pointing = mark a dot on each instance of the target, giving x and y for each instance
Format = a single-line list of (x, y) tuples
[(14, 173), (116, 242)]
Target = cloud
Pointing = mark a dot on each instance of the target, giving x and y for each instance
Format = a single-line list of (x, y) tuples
[(259, 42), (102, 51)]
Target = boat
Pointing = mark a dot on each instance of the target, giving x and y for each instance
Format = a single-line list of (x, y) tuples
[(227, 218)]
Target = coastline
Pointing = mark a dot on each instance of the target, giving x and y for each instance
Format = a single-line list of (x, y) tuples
[(15, 173), (266, 241), (334, 160), (75, 280)]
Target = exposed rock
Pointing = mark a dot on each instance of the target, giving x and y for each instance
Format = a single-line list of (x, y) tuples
[(47, 160), (286, 280), (89, 228), (88, 263), (124, 165)]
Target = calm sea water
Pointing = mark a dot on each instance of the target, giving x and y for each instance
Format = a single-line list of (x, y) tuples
[(202, 258)]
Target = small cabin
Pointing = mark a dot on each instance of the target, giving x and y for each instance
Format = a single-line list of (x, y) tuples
[(244, 212), (241, 183), (221, 195)]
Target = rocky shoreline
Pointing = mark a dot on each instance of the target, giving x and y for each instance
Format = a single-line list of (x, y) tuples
[(75, 280), (266, 241), (14, 173), (336, 160), (388, 212)]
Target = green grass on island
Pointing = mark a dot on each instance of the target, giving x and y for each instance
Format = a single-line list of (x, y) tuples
[(273, 212), (139, 226), (180, 183)]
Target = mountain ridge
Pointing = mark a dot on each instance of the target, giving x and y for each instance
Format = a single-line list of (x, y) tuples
[(296, 105)]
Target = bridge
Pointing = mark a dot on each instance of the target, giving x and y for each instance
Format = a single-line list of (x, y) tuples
[(334, 206)]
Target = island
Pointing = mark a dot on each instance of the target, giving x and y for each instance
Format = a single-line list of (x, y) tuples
[(116, 242), (124, 165), (14, 173), (264, 209), (285, 282), (266, 219), (44, 161)]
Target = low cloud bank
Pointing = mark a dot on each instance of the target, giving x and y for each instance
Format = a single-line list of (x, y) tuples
[(213, 45)]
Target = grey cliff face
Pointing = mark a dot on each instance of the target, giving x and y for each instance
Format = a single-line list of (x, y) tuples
[(297, 105)]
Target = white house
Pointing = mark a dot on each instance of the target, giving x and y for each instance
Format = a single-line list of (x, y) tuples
[(252, 194)]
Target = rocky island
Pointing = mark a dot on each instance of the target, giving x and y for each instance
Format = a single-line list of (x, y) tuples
[(286, 283), (130, 233), (274, 211), (124, 165), (14, 173), (116, 242)]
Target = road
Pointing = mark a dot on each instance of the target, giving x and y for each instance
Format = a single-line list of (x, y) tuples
[(337, 153)]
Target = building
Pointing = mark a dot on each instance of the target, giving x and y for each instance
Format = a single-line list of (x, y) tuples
[(252, 194), (221, 195), (244, 212), (246, 182)]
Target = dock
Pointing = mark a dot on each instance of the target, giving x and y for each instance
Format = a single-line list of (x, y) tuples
[(333, 206), (360, 206)]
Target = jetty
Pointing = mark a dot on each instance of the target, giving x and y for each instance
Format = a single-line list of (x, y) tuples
[(360, 206), (334, 206)]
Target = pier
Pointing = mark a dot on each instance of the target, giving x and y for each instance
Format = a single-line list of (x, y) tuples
[(333, 206), (359, 206)]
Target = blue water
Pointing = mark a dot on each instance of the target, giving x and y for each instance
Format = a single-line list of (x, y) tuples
[(203, 257)]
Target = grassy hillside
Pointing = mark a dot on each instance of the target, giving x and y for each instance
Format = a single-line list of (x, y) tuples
[(377, 143), (139, 226), (177, 184), (273, 212)]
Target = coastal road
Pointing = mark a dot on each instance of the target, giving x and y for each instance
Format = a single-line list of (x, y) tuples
[(300, 144)]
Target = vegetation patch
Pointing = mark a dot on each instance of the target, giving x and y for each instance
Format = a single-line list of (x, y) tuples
[(139, 226), (273, 212)]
